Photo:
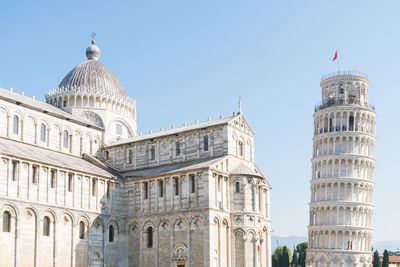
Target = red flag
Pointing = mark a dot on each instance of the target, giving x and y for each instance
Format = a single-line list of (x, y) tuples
[(335, 57)]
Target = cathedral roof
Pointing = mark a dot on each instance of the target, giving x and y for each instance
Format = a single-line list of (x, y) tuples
[(40, 106), (94, 76), (173, 131), (46, 156), (246, 170), (175, 168)]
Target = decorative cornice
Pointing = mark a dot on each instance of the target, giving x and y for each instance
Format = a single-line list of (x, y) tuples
[(84, 91)]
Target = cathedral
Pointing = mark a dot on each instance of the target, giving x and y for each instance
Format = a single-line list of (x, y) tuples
[(80, 187)]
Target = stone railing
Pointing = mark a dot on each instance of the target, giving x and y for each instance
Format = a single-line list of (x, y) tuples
[(342, 102), (344, 73)]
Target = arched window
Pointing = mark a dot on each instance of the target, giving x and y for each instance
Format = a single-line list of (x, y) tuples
[(111, 233), (331, 99), (177, 148), (6, 221), (65, 139), (205, 142), (35, 173), (81, 230), (152, 153), (16, 125), (192, 184), (352, 98), (145, 190), (237, 187), (108, 190), (43, 132), (14, 167), (150, 237), (94, 187), (130, 156), (70, 182), (341, 89), (160, 188), (241, 148), (53, 178), (351, 123), (252, 188), (176, 186), (46, 226), (118, 129), (180, 253)]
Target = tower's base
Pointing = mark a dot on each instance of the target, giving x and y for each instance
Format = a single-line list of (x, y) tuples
[(338, 258)]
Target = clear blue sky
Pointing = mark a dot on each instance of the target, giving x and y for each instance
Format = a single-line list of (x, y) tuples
[(188, 60)]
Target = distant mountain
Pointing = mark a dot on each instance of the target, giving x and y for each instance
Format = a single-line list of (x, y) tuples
[(289, 241), (393, 245)]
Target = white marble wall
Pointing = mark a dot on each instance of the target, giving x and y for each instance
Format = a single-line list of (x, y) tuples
[(342, 184), (81, 139)]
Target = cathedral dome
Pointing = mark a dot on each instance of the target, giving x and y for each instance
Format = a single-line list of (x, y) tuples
[(93, 76)]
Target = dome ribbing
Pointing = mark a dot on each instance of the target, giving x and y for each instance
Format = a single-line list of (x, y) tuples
[(94, 76)]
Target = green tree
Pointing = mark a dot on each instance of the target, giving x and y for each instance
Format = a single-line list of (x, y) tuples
[(276, 257), (301, 250), (294, 257), (385, 262), (285, 257), (281, 257), (274, 261), (377, 260)]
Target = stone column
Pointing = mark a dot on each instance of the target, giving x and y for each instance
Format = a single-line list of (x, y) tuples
[(17, 238), (8, 126), (73, 243), (37, 234), (245, 250)]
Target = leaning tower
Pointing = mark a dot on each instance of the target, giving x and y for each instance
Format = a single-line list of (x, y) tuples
[(342, 184)]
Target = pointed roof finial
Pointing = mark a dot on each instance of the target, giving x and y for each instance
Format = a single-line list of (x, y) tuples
[(93, 52), (93, 37), (240, 105)]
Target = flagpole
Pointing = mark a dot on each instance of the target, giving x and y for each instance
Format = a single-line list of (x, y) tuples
[(338, 69), (337, 59)]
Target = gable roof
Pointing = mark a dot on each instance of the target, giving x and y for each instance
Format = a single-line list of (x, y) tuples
[(170, 132), (246, 123), (175, 131)]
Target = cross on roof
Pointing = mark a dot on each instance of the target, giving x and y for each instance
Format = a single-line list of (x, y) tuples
[(93, 36)]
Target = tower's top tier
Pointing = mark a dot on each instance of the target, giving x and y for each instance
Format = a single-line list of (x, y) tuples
[(344, 88), (344, 73)]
